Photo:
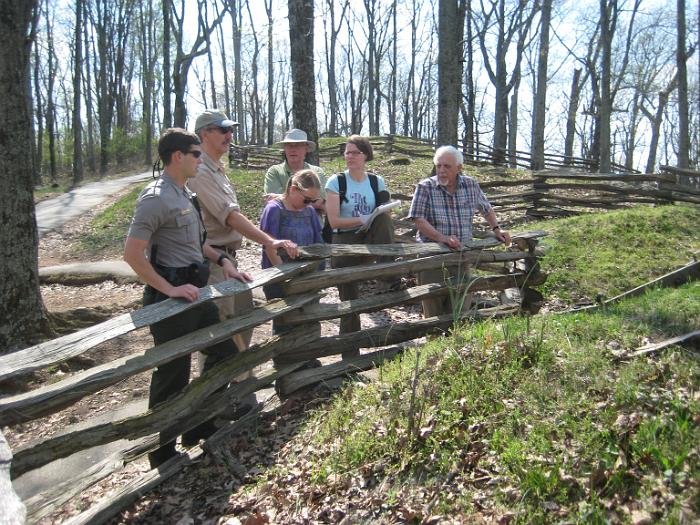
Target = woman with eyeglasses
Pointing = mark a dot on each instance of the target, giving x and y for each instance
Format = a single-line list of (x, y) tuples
[(292, 216), (351, 196)]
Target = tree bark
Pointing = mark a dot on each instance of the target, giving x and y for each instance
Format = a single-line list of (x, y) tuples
[(21, 307), (541, 89), (450, 30), (301, 38), (77, 69), (681, 57), (167, 80), (605, 111)]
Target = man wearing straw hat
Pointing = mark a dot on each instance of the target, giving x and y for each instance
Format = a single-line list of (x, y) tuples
[(295, 145)]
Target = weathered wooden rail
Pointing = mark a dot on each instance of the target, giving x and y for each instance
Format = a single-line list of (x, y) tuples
[(202, 399), (565, 187)]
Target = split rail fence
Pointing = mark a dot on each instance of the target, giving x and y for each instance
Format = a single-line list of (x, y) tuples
[(566, 187), (494, 271)]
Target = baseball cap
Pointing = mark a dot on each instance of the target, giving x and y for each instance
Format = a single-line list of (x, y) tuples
[(213, 117)]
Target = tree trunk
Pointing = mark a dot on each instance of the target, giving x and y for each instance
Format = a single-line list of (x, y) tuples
[(236, 20), (35, 111), (224, 66), (39, 109), (77, 68), (89, 109), (470, 93), (513, 124), (255, 117), (394, 72), (681, 58), (167, 71), (605, 110), (372, 60), (539, 114), (631, 138), (450, 30), (301, 38), (574, 96), (50, 103), (270, 75), (21, 307)]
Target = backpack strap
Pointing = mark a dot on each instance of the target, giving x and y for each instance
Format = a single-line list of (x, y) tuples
[(342, 187), (375, 186)]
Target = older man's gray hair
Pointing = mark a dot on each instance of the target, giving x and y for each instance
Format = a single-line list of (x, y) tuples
[(456, 154)]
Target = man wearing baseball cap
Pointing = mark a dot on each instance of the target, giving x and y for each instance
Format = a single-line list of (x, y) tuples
[(226, 225), (295, 145)]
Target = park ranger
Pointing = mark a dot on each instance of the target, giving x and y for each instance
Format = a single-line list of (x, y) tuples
[(168, 227)]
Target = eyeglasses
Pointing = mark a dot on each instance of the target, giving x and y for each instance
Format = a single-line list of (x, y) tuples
[(221, 130), (195, 153), (353, 152), (306, 199)]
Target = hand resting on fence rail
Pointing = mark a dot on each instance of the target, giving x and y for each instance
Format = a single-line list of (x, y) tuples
[(62, 348)]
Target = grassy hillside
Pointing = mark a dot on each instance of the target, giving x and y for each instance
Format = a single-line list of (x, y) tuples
[(608, 253), (534, 419)]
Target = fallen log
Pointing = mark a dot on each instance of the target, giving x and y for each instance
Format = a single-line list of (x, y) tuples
[(681, 340), (678, 277)]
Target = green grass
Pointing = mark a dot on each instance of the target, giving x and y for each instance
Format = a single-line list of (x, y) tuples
[(538, 406), (108, 229), (608, 253)]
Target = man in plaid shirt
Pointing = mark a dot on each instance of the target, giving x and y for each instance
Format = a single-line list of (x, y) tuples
[(443, 208)]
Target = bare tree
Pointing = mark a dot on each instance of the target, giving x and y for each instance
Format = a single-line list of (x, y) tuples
[(606, 35), (22, 310), (301, 39), (77, 68), (50, 96), (167, 80), (508, 25), (681, 58), (541, 89), (450, 31), (148, 36), (255, 116), (224, 64), (270, 76), (236, 11), (469, 88), (183, 59), (331, 41)]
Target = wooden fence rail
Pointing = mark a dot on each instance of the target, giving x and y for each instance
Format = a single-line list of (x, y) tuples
[(205, 396)]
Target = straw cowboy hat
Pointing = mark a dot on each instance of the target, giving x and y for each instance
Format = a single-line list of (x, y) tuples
[(296, 136)]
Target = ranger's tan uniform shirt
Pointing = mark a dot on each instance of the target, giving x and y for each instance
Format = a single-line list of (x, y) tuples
[(166, 217), (218, 199)]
